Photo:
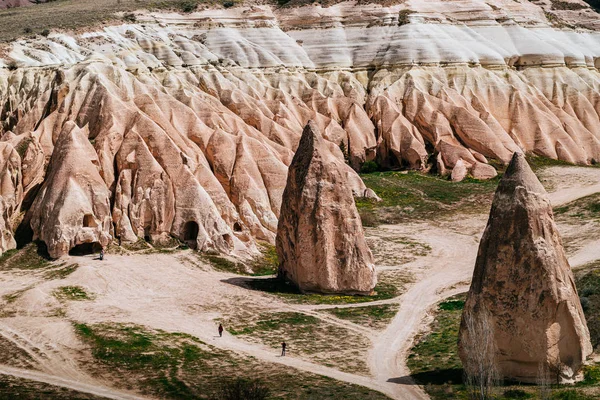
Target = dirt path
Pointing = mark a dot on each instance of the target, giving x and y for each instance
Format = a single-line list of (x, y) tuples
[(100, 391)]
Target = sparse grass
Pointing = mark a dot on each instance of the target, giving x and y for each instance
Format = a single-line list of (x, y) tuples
[(27, 258), (12, 297), (263, 265), (390, 249), (403, 17), (75, 14), (71, 293), (61, 272), (305, 335), (538, 162), (179, 366), (567, 5), (584, 209), (13, 355), (377, 317), (277, 321), (267, 263), (588, 286), (24, 389), (413, 195), (290, 293), (436, 353)]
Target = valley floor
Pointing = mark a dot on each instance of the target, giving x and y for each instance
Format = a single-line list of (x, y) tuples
[(143, 323)]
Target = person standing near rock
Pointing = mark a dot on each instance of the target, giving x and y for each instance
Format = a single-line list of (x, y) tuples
[(283, 347)]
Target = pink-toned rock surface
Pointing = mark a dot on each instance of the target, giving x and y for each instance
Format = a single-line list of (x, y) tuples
[(523, 281), (195, 118), (320, 239), (73, 205)]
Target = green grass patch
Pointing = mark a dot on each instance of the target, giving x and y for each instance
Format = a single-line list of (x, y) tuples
[(61, 271), (434, 358), (289, 292), (584, 209), (27, 258), (323, 342), (24, 389), (278, 321), (371, 316), (71, 293), (179, 366), (263, 265), (413, 195)]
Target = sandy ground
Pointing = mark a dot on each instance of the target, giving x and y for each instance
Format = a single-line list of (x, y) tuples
[(177, 293)]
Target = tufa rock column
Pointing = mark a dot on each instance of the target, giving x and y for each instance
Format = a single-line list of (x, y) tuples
[(320, 239), (523, 299)]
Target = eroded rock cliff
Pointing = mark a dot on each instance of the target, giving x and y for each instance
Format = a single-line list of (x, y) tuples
[(523, 293), (194, 118)]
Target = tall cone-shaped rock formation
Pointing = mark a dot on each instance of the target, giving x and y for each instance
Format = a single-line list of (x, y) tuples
[(524, 289), (320, 239)]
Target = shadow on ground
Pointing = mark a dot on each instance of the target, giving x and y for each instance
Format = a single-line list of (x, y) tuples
[(269, 285), (439, 377)]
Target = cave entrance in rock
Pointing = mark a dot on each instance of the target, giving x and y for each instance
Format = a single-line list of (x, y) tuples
[(89, 221), (83, 249), (190, 233)]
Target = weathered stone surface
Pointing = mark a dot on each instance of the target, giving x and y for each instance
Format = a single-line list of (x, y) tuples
[(73, 205), (320, 239), (459, 172), (524, 281), (219, 98), (11, 194)]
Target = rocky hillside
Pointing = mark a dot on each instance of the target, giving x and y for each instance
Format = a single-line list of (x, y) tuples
[(184, 124)]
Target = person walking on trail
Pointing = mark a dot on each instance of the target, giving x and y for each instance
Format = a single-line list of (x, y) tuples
[(283, 346), (220, 330), (101, 254)]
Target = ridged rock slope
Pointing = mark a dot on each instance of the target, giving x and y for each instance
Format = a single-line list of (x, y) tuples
[(195, 118), (524, 290), (320, 239)]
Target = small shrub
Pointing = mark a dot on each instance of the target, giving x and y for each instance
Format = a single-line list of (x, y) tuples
[(585, 303), (27, 30), (591, 374), (452, 305), (188, 6), (369, 166), (46, 32), (12, 65), (71, 293), (516, 394), (403, 17), (242, 389), (129, 17), (228, 4), (369, 218)]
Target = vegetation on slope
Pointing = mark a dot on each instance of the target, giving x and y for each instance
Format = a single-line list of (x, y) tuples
[(179, 366), (410, 195), (306, 336), (77, 14)]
